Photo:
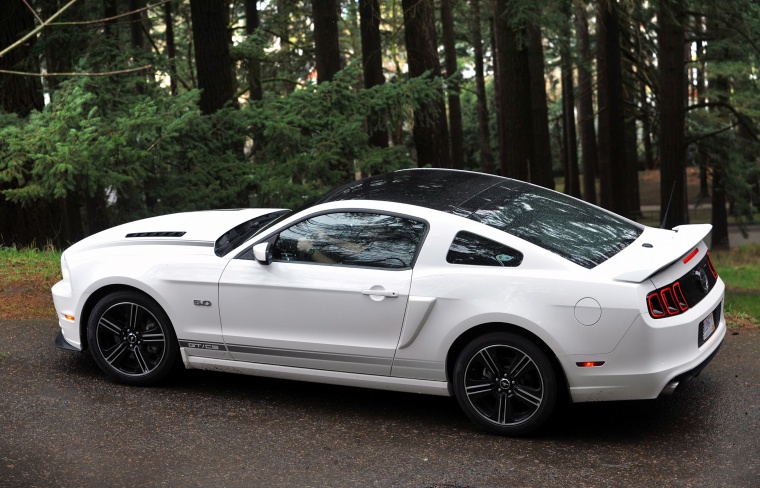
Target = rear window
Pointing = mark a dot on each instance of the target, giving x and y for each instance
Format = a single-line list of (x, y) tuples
[(576, 230)]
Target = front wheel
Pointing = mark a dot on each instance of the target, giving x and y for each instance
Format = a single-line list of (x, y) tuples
[(131, 338), (505, 383)]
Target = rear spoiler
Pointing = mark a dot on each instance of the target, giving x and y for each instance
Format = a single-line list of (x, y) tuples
[(685, 239)]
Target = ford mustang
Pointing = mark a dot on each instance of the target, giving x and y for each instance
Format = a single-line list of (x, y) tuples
[(500, 293)]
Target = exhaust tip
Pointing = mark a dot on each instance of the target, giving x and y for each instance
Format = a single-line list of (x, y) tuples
[(669, 388)]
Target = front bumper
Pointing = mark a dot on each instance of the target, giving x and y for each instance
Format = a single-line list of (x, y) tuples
[(61, 343), (66, 305)]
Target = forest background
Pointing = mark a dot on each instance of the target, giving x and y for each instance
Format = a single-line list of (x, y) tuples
[(113, 110)]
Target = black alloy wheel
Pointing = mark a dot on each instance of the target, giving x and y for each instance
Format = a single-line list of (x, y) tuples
[(505, 384), (131, 338)]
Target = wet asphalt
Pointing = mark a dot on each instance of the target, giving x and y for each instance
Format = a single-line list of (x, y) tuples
[(63, 423)]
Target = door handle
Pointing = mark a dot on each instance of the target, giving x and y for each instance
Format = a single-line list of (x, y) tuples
[(381, 293)]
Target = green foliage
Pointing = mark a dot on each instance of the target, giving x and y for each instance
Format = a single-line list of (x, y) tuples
[(315, 138), (150, 153)]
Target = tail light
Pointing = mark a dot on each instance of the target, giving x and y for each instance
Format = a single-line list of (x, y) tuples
[(667, 301), (710, 265), (672, 300)]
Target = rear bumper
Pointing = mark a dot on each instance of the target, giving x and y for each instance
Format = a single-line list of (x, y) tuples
[(651, 356), (684, 378)]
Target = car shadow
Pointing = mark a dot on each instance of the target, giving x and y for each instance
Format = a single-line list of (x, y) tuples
[(603, 421)]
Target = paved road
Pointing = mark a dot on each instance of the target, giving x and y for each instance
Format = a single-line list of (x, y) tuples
[(64, 424)]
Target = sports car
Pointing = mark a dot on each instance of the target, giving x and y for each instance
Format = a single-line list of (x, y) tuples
[(505, 295)]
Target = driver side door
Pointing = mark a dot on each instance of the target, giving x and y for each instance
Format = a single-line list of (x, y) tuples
[(333, 297)]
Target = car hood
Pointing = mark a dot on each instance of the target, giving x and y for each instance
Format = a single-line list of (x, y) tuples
[(654, 250), (181, 228)]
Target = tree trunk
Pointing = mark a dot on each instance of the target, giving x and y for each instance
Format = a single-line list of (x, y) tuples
[(212, 54), (455, 106), (137, 36), (431, 137), (110, 11), (630, 93), (719, 236), (516, 125), (541, 172), (704, 192), (254, 65), (719, 89), (590, 159), (326, 42), (484, 132), (497, 99), (171, 48), (372, 63), (570, 154), (672, 113), (612, 158), (646, 127)]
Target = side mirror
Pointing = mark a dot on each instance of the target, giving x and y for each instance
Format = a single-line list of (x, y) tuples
[(262, 253)]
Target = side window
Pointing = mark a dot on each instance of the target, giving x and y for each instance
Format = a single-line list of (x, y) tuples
[(469, 248), (351, 239)]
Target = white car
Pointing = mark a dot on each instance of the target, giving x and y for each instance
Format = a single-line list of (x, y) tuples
[(501, 293)]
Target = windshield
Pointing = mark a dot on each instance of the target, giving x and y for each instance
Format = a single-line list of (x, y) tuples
[(241, 233)]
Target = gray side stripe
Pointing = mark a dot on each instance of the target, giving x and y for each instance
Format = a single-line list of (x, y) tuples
[(323, 356)]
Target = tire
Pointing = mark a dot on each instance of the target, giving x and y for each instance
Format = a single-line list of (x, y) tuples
[(132, 339), (505, 384)]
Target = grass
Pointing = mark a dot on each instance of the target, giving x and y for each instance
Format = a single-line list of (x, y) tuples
[(26, 277), (740, 270)]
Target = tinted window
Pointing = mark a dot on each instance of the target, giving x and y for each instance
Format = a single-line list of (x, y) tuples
[(576, 230), (353, 239), (469, 248), (582, 233)]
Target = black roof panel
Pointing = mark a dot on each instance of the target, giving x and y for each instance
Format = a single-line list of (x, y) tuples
[(438, 189)]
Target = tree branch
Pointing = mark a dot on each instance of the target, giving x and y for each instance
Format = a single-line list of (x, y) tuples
[(710, 134), (172, 73), (105, 73), (33, 11), (742, 118), (272, 80), (108, 19), (34, 31)]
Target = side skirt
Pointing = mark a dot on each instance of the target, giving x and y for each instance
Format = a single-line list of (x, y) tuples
[(407, 385)]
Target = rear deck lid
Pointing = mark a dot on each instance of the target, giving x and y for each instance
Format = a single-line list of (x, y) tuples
[(656, 249)]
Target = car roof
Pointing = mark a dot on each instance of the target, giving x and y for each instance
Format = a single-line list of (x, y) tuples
[(576, 230), (445, 190)]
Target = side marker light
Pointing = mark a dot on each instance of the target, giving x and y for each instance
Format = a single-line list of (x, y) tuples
[(68, 317), (589, 364)]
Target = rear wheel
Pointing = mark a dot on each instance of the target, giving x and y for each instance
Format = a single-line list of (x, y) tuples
[(131, 338), (505, 384)]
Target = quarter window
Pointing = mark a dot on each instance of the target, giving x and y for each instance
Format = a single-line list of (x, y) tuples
[(352, 239), (469, 248)]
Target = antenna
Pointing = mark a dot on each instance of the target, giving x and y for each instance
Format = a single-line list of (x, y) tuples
[(667, 210)]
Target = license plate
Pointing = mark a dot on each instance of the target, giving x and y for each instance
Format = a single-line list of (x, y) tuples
[(708, 327)]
